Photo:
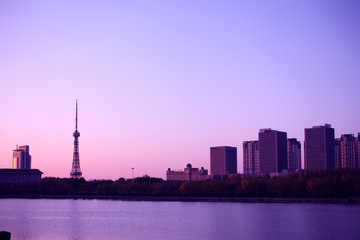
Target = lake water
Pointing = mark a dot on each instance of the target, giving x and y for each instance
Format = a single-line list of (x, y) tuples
[(106, 219)]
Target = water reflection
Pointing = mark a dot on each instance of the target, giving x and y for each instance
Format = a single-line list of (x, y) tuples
[(99, 219), (74, 227)]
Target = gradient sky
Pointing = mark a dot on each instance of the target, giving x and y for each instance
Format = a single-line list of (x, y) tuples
[(159, 82)]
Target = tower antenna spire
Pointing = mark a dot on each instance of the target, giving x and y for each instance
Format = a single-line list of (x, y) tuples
[(76, 118)]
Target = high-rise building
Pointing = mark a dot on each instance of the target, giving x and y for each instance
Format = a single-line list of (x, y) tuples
[(319, 147), (251, 157), (272, 150), (21, 158), (223, 160), (75, 170), (337, 151), (357, 151), (347, 146), (294, 154)]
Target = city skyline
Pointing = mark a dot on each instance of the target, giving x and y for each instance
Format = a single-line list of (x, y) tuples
[(161, 83)]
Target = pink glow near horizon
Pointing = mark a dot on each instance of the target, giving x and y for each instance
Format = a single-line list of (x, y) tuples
[(160, 83)]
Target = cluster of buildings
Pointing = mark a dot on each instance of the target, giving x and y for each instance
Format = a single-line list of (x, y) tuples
[(343, 152), (21, 173), (347, 151), (276, 154), (272, 153), (223, 163)]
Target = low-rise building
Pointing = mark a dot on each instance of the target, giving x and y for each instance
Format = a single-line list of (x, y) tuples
[(20, 176), (188, 174)]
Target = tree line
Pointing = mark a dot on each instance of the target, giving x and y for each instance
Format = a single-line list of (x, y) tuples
[(331, 183)]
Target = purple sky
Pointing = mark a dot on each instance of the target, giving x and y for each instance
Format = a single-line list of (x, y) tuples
[(159, 82)]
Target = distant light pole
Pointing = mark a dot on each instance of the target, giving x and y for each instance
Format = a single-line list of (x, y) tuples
[(132, 169)]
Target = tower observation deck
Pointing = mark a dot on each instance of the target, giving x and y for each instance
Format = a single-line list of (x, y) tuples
[(75, 170)]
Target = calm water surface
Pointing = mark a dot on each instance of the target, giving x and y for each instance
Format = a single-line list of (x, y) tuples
[(105, 219)]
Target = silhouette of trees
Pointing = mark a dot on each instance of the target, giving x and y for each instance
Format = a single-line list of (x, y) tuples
[(318, 184)]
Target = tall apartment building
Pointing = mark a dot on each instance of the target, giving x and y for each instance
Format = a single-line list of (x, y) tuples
[(357, 155), (251, 157), (21, 158), (223, 160), (294, 154), (319, 147), (346, 151), (337, 151), (272, 150)]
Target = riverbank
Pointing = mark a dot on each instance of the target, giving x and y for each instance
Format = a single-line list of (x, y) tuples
[(350, 200)]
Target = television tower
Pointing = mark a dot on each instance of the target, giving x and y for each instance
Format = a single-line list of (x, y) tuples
[(75, 170)]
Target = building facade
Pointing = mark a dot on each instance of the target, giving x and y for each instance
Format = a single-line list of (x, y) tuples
[(346, 151), (337, 152), (189, 174), (319, 147), (272, 151), (21, 158), (294, 154), (223, 160), (357, 155), (20, 176), (251, 157)]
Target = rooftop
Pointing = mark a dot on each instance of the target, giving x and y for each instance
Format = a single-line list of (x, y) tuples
[(10, 170)]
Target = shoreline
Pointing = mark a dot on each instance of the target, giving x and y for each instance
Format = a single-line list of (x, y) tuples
[(348, 200)]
